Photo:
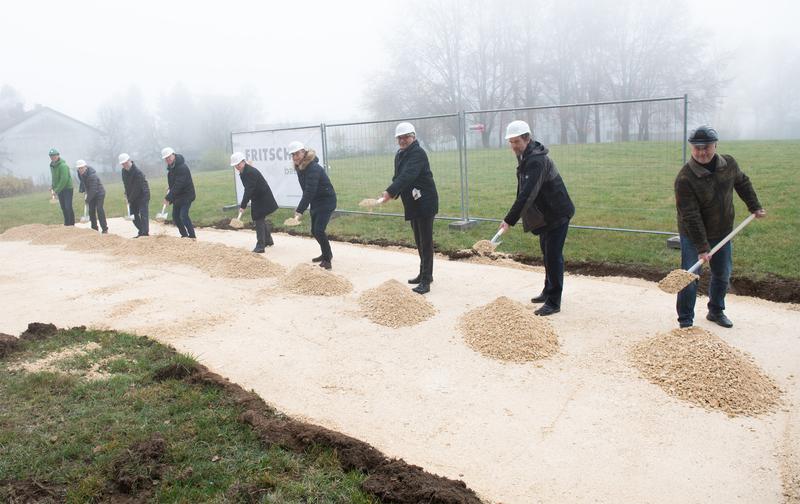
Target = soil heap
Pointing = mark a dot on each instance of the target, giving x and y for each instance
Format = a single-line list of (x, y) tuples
[(393, 304), (697, 366), (509, 331), (315, 281), (484, 247)]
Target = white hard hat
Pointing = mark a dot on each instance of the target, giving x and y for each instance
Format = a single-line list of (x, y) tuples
[(166, 152), (296, 146), (236, 158), (517, 128), (80, 163), (404, 128), (124, 158)]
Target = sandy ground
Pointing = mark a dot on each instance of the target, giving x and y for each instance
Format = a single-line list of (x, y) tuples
[(581, 426)]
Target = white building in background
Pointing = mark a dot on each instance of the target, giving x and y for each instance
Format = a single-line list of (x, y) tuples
[(25, 143)]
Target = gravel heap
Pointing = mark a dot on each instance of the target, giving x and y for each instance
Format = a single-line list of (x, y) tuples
[(24, 233), (236, 223), (291, 221), (315, 281), (697, 366), (509, 331), (676, 281), (484, 247), (393, 304)]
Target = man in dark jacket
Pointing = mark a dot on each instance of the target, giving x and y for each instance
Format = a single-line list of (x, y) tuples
[(61, 186), (413, 183), (704, 199), (137, 193), (95, 194), (545, 207), (181, 191), (259, 195), (318, 193)]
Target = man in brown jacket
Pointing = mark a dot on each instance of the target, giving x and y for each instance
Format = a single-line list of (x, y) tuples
[(704, 199)]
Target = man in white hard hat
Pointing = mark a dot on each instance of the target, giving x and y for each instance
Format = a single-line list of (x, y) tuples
[(181, 191), (137, 194), (318, 193), (259, 195), (95, 194), (413, 183), (545, 207)]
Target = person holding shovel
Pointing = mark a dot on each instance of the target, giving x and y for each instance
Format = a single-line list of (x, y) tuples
[(413, 183), (62, 186), (545, 208), (95, 194), (181, 191), (259, 195), (318, 193), (137, 193), (704, 200)]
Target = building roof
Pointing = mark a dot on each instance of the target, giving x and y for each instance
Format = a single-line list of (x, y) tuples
[(38, 110)]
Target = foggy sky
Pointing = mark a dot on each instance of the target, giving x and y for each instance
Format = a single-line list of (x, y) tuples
[(309, 61)]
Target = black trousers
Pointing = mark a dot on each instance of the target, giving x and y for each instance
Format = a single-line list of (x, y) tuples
[(319, 222), (180, 216), (141, 216), (96, 212), (263, 233), (423, 237), (65, 200), (552, 244)]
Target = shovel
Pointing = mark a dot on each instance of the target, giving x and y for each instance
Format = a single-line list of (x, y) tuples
[(236, 222), (496, 238), (85, 217), (128, 215), (677, 280), (162, 215)]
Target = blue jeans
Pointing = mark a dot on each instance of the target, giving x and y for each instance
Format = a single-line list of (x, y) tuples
[(65, 200), (180, 215), (551, 243), (721, 266)]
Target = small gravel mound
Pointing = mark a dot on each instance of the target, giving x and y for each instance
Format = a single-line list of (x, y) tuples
[(393, 304), (315, 281), (697, 366), (484, 247), (676, 281), (508, 331)]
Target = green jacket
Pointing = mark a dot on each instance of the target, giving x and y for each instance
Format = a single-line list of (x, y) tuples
[(61, 176), (705, 199)]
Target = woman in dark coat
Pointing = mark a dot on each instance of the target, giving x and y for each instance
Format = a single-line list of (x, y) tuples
[(95, 194), (413, 183), (318, 193), (259, 195)]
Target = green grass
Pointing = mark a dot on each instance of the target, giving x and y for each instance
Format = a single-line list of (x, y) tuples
[(64, 430), (625, 185)]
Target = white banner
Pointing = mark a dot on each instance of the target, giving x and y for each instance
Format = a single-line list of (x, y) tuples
[(268, 152)]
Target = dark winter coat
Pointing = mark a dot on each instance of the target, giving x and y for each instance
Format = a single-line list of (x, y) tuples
[(90, 184), (413, 171), (257, 193), (136, 187), (704, 199), (179, 179), (316, 185), (542, 198)]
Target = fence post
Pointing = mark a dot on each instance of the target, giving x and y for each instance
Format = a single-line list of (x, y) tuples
[(323, 130), (685, 124), (464, 223)]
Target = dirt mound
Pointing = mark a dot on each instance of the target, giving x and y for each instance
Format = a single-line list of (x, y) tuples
[(399, 482), (38, 330), (697, 366), (315, 281), (29, 491), (173, 371), (23, 233), (137, 468), (484, 247), (392, 304), (8, 344), (509, 331)]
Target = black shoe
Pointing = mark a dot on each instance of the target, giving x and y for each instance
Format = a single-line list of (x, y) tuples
[(269, 244), (258, 250), (418, 279), (685, 325), (546, 310), (541, 298), (720, 319), (105, 231), (318, 259), (422, 288), (325, 264)]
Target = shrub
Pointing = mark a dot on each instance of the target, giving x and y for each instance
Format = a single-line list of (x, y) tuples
[(11, 186)]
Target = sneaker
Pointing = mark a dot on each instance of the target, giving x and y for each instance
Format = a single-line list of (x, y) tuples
[(720, 319)]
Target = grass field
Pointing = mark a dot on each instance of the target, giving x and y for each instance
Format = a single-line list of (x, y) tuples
[(627, 185), (79, 436)]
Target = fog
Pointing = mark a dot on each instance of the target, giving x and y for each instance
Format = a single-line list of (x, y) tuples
[(309, 62)]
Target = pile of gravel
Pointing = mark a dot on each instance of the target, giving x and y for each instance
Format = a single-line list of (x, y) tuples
[(509, 331), (24, 233), (697, 366), (393, 304), (484, 247), (676, 281), (315, 281)]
